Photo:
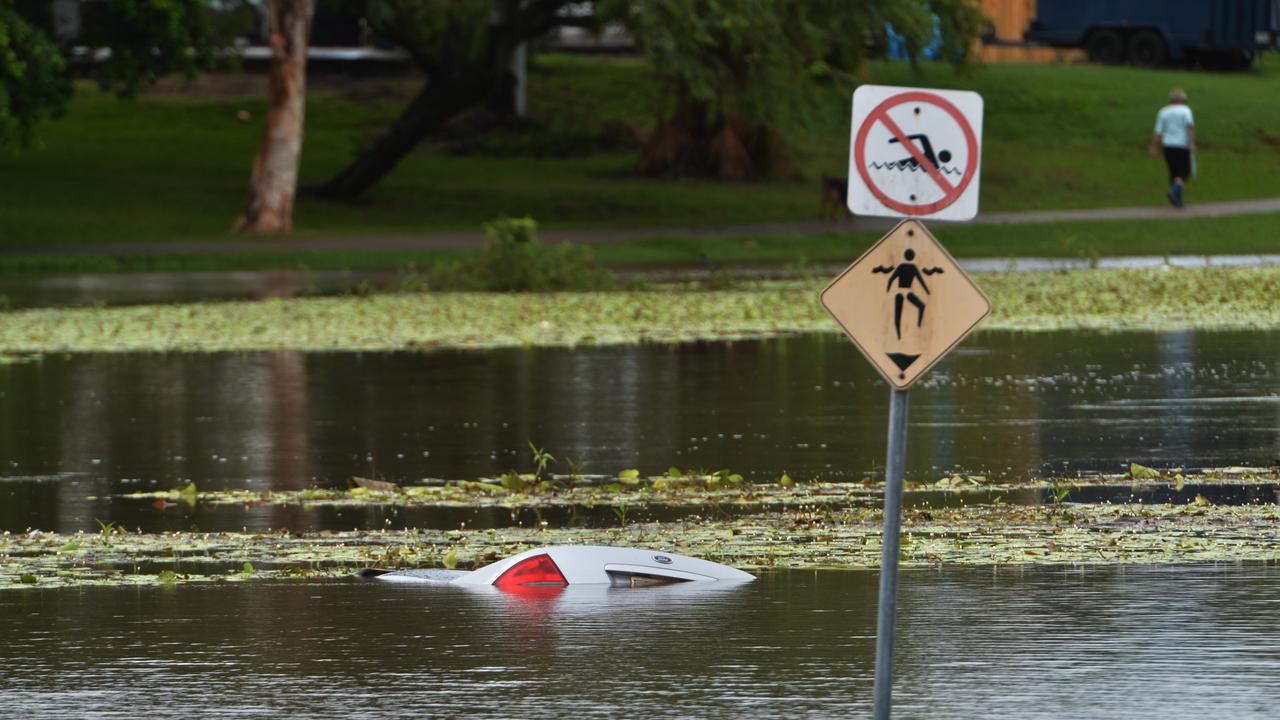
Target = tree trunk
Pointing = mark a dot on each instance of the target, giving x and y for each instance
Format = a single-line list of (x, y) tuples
[(434, 105), (488, 81), (693, 143), (275, 169)]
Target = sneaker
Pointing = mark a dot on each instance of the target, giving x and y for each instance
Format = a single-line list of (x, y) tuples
[(1176, 192), (1173, 196)]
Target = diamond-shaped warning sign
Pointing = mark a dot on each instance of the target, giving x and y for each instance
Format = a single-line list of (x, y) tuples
[(905, 303)]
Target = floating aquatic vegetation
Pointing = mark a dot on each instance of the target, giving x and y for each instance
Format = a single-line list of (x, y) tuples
[(1141, 472), (1165, 298), (811, 537), (677, 488)]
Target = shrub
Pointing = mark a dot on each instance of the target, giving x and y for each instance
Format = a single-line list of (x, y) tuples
[(514, 261)]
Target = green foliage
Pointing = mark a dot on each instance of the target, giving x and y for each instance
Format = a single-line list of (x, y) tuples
[(513, 261), (107, 530), (576, 466), (1239, 298), (149, 39), (146, 39), (620, 511), (960, 22), (33, 79), (749, 59), (737, 69), (1058, 491), (442, 36), (541, 458), (514, 481), (1142, 472)]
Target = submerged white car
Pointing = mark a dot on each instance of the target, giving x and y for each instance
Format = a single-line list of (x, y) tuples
[(565, 565)]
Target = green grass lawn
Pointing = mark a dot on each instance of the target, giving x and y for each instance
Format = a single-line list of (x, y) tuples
[(1243, 234), (174, 168)]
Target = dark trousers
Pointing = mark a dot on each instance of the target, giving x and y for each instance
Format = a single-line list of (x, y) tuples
[(1179, 162)]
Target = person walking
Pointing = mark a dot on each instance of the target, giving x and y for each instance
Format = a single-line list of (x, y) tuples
[(1176, 133)]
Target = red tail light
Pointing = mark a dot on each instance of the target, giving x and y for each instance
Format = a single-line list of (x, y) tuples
[(536, 571)]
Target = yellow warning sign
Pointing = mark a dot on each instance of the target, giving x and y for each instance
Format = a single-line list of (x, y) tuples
[(905, 303)]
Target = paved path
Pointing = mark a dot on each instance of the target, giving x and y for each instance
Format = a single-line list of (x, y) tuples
[(603, 236)]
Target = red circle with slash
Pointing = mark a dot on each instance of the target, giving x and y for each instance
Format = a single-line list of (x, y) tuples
[(880, 114)]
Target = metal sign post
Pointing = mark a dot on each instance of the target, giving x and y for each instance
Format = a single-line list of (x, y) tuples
[(913, 153), (896, 456), (905, 303)]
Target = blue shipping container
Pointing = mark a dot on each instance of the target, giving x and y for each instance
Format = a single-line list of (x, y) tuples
[(1151, 32)]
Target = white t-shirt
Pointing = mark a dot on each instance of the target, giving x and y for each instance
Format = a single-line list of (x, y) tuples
[(1172, 123)]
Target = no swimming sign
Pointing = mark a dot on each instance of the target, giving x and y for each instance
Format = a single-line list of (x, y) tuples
[(915, 152)]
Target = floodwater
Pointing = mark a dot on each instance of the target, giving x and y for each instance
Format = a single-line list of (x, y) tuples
[(1123, 643), (76, 430), (1119, 643)]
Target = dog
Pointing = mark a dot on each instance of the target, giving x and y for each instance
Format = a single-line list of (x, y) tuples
[(835, 198)]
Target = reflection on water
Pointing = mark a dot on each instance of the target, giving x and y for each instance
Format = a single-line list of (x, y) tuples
[(86, 426), (172, 287), (1125, 643)]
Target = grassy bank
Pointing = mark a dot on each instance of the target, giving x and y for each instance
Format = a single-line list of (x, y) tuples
[(1242, 234), (175, 167), (1085, 299)]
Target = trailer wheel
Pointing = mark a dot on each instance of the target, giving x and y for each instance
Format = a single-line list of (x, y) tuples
[(1105, 46), (1240, 60), (1147, 49)]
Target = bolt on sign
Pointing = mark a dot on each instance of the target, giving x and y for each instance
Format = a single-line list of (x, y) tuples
[(905, 303), (915, 152)]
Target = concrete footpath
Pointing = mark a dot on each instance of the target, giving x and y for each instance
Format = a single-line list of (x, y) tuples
[(602, 236)]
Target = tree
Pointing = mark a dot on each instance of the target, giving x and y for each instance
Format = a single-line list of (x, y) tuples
[(146, 39), (33, 75), (735, 68), (464, 48), (738, 69), (274, 182)]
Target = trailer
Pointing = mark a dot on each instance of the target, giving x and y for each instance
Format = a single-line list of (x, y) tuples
[(1149, 33)]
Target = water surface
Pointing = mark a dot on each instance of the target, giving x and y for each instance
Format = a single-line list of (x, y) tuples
[(77, 429), (1044, 644)]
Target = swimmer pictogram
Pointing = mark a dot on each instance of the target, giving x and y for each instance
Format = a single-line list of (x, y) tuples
[(905, 303), (912, 162)]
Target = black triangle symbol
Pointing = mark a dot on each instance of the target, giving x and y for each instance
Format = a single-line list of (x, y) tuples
[(903, 361)]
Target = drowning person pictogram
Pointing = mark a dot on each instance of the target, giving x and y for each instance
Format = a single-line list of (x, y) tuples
[(871, 311), (906, 274)]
